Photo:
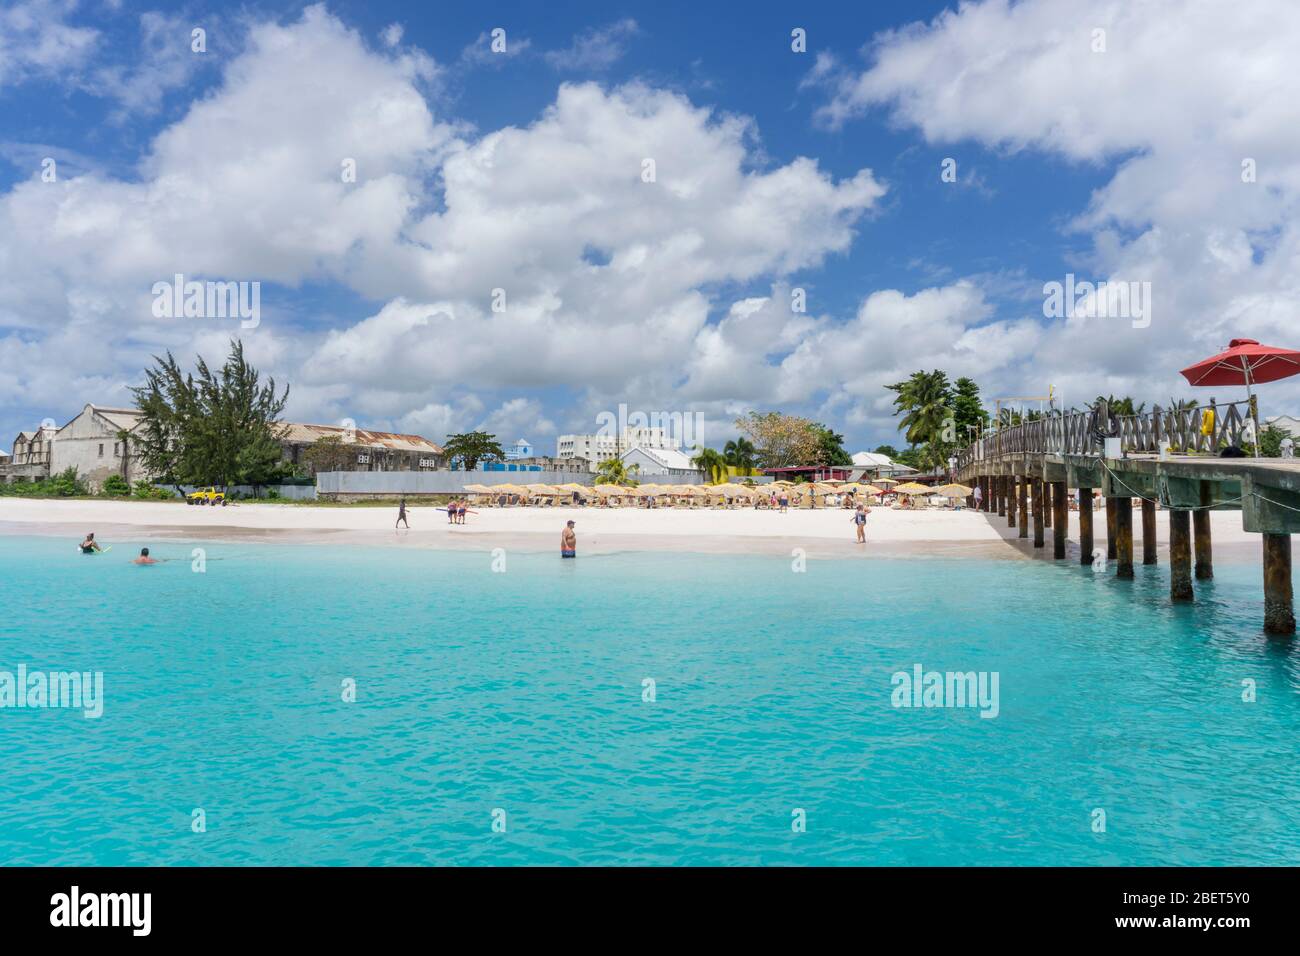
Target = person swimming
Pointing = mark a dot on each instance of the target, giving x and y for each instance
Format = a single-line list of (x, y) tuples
[(90, 545), (568, 541), (144, 558)]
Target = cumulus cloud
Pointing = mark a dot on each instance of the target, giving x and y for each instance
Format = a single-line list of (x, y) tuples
[(1175, 98), (37, 41)]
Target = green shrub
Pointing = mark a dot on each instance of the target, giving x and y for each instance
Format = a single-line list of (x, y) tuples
[(115, 486)]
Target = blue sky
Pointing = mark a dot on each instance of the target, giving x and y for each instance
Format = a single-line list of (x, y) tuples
[(1119, 164)]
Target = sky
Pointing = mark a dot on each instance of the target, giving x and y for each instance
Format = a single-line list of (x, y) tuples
[(519, 217)]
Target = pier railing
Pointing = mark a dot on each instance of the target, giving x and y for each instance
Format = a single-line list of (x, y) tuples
[(1189, 430)]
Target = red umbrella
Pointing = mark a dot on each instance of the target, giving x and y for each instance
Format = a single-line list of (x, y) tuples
[(1245, 362)]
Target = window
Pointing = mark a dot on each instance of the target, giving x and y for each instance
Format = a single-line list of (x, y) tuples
[(101, 449)]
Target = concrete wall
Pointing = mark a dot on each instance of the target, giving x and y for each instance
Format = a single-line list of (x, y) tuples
[(454, 482), (78, 444), (286, 492)]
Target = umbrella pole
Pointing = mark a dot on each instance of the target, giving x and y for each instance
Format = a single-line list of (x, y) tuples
[(1250, 400)]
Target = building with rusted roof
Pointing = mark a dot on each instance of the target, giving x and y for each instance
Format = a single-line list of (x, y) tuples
[(366, 450)]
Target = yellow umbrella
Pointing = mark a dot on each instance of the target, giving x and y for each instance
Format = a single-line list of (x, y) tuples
[(607, 490), (858, 488), (574, 486), (884, 482), (478, 489), (545, 490), (954, 490), (912, 488)]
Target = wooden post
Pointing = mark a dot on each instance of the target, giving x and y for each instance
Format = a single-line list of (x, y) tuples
[(1048, 510), (1002, 496), (1110, 529), (1201, 535), (1061, 520), (1038, 512), (1024, 506), (1279, 612), (1148, 531), (1124, 537), (1085, 526), (1011, 501), (1180, 555)]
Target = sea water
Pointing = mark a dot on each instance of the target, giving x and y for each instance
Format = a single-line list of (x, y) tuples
[(277, 704)]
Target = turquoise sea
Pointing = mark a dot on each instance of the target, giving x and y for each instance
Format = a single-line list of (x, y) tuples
[(523, 691)]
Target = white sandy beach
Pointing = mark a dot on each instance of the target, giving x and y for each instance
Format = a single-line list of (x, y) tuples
[(823, 532)]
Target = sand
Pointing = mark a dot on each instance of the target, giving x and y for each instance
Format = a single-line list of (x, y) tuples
[(820, 532)]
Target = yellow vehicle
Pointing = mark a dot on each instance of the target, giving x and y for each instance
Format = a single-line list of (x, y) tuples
[(206, 496)]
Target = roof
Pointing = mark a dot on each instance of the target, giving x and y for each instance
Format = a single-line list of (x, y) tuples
[(871, 459), (396, 441), (668, 457), (124, 418)]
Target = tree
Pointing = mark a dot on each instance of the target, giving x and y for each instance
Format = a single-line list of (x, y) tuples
[(115, 486), (469, 448), (889, 451), (967, 409), (328, 453), (782, 440), (925, 402), (217, 427), (830, 447), (1270, 441), (1123, 407), (711, 463), (614, 471), (741, 455)]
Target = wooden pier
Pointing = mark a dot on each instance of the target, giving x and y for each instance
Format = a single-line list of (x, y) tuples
[(1167, 457)]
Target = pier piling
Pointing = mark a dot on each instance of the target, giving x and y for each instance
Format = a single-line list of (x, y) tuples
[(1148, 531), (1110, 529), (1279, 611), (1180, 555), (1201, 536), (1011, 501), (1085, 526), (1002, 495), (1047, 504), (1038, 512), (1061, 519), (1024, 506), (1124, 537)]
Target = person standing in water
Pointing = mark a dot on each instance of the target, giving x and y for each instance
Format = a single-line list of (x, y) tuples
[(568, 541), (144, 558), (860, 520), (90, 545), (401, 514)]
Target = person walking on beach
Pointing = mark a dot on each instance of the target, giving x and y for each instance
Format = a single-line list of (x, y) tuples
[(860, 520), (461, 507), (979, 496), (451, 511), (401, 514), (568, 541)]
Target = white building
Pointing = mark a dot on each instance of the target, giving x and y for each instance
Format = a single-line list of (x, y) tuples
[(1288, 423), (875, 465), (660, 462), (598, 448), (98, 443)]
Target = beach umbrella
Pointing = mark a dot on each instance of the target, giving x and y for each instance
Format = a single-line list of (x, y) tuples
[(478, 489), (1245, 362), (574, 486), (606, 490), (954, 490), (542, 490), (912, 488), (858, 488), (884, 482)]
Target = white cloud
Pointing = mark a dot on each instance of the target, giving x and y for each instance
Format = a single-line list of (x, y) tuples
[(596, 49), (36, 40)]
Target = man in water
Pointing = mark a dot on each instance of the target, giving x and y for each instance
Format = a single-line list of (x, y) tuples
[(860, 520), (144, 558), (90, 545), (401, 514), (568, 541)]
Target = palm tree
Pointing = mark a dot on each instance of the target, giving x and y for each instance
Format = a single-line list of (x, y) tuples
[(925, 402), (709, 461), (740, 454), (613, 471)]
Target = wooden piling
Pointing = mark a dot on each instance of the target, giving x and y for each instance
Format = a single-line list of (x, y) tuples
[(1201, 536), (1279, 611), (1038, 513), (1124, 537), (1048, 510), (1024, 507), (1002, 496), (1061, 519), (1110, 529), (1180, 555), (1085, 526), (1148, 531), (1011, 501)]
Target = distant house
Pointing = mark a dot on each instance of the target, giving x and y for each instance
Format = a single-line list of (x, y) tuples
[(1287, 423), (367, 450), (660, 462), (98, 442), (875, 465), (30, 460), (522, 448)]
